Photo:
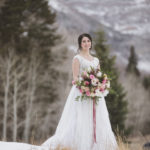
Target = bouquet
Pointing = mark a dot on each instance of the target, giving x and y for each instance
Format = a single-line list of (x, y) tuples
[(92, 84)]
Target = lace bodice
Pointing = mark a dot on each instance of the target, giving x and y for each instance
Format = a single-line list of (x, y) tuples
[(85, 64)]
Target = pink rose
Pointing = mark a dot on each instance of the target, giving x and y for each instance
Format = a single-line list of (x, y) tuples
[(102, 89), (85, 73), (81, 91), (87, 89), (103, 85), (87, 83), (104, 81), (92, 76), (88, 93), (73, 82)]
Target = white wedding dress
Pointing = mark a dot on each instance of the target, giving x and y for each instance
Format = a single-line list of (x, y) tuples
[(75, 128)]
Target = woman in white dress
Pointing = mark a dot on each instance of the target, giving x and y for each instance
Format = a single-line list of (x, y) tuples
[(75, 128)]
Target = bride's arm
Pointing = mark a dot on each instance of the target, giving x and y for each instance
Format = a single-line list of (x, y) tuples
[(99, 67), (75, 69)]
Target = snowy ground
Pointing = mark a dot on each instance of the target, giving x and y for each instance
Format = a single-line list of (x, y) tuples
[(20, 146)]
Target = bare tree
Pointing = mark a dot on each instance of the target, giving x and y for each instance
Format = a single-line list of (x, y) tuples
[(27, 87), (12, 71), (32, 77), (138, 102), (18, 74), (6, 65), (6, 87)]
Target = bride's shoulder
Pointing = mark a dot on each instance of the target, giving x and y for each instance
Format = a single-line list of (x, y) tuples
[(96, 58), (76, 57)]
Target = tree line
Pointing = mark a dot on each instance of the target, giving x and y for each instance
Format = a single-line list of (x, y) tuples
[(28, 89)]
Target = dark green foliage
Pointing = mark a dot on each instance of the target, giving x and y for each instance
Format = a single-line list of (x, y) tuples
[(116, 103), (146, 82), (132, 65), (24, 23), (27, 27)]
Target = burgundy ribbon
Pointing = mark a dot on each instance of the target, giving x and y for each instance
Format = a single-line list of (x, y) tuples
[(94, 120)]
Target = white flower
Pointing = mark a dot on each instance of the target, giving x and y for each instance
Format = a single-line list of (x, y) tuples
[(105, 92), (89, 69), (99, 74), (108, 84), (98, 93), (83, 87), (92, 94), (94, 81), (80, 78), (99, 84)]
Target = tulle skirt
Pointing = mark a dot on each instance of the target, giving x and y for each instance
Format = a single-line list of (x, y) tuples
[(75, 128)]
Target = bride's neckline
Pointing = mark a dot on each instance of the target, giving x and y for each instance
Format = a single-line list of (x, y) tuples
[(86, 59)]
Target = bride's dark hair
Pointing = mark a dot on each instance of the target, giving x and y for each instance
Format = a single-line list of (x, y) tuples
[(80, 40)]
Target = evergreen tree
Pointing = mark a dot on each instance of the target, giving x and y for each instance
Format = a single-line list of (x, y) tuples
[(116, 103), (27, 28), (146, 82), (132, 65)]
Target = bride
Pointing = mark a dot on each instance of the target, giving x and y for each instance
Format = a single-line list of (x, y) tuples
[(76, 130)]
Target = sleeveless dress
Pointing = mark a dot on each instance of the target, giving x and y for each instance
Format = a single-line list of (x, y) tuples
[(75, 128)]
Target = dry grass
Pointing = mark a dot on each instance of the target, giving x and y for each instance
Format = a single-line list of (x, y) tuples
[(63, 148), (134, 143), (121, 144)]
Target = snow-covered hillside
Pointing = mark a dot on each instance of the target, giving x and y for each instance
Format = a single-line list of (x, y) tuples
[(125, 22), (20, 146)]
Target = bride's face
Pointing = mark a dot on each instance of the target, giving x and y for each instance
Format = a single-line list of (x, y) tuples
[(86, 43)]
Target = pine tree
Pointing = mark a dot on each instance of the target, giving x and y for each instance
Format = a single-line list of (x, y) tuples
[(146, 82), (28, 28), (116, 103), (132, 65)]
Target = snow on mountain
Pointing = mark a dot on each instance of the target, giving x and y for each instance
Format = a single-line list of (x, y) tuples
[(126, 23), (144, 65), (139, 1)]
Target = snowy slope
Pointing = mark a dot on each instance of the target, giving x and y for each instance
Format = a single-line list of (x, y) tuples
[(20, 146), (125, 22)]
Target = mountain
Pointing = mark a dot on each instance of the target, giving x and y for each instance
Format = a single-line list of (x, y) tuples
[(125, 22)]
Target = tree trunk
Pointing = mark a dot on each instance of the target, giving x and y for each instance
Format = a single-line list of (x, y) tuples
[(15, 107), (6, 86), (31, 97)]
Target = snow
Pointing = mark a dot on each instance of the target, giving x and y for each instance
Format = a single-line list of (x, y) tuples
[(58, 6), (144, 66), (25, 34), (20, 146), (126, 17), (86, 11), (133, 29), (139, 1), (73, 48), (55, 5), (132, 25), (105, 23), (100, 12)]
